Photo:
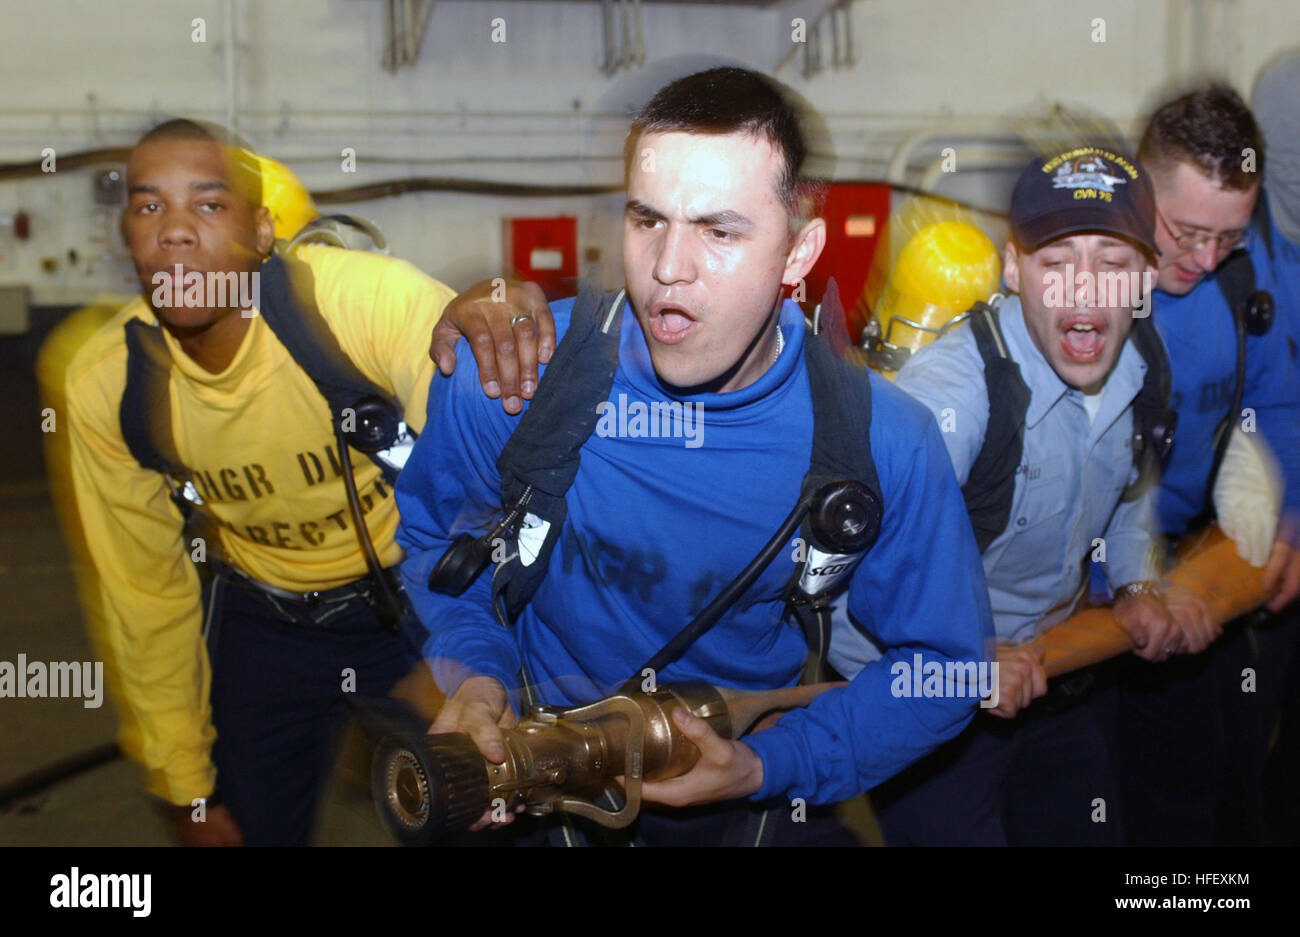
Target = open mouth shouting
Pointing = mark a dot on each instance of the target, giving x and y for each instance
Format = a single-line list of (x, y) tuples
[(1083, 337), (670, 324)]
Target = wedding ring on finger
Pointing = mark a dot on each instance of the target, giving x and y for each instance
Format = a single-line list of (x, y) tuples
[(517, 319)]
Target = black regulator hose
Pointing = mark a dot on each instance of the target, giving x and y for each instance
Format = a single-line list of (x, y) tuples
[(709, 615), (389, 607)]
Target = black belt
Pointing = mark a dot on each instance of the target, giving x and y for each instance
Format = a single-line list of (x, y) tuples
[(358, 588)]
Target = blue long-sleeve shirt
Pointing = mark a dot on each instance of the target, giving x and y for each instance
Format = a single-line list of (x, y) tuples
[(656, 527), (1198, 334), (1286, 290), (1286, 287)]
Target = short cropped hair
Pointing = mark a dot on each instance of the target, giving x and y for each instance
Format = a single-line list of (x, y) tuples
[(1210, 128), (734, 100), (244, 165)]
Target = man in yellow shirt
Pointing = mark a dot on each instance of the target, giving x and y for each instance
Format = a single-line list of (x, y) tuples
[(256, 657)]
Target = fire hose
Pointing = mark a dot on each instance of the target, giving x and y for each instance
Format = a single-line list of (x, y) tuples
[(1208, 567), (561, 761)]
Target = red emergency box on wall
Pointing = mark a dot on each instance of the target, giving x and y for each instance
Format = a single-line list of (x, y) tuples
[(856, 214), (545, 251)]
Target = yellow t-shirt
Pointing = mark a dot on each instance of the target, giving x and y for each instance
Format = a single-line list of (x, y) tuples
[(259, 442)]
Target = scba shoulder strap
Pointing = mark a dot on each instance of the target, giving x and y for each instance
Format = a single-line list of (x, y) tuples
[(541, 458), (1154, 421), (991, 482), (840, 527), (145, 411), (990, 486), (369, 418), (1252, 314)]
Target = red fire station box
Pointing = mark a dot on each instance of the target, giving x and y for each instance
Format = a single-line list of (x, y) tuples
[(856, 214), (545, 251)]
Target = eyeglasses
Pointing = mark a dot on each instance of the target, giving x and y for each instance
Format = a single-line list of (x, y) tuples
[(1193, 241)]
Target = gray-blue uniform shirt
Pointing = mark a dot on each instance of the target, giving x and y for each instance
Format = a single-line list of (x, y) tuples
[(1068, 488)]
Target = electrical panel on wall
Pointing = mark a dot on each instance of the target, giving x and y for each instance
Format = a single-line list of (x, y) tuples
[(59, 237)]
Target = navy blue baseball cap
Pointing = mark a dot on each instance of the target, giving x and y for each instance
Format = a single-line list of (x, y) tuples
[(1084, 189)]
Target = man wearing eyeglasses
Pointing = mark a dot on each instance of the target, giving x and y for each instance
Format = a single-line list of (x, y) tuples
[(1191, 736)]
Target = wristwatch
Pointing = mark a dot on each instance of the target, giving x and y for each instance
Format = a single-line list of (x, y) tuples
[(1140, 587)]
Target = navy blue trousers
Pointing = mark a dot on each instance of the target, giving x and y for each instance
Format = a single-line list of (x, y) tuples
[(1282, 776), (280, 672), (1042, 779), (1192, 738)]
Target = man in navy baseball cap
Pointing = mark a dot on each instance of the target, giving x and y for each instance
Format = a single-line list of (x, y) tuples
[(1082, 257), (1086, 189), (1036, 396)]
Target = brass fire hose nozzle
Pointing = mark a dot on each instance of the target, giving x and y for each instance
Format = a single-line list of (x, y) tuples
[(556, 760)]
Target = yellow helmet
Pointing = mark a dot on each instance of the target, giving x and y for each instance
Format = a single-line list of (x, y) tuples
[(285, 197), (943, 270)]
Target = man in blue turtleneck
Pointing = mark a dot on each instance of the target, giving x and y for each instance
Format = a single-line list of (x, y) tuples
[(717, 222)]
